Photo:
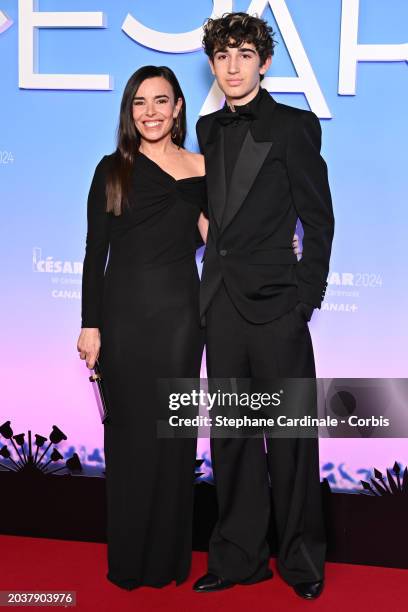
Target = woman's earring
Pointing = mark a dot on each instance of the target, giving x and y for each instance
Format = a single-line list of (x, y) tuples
[(175, 128)]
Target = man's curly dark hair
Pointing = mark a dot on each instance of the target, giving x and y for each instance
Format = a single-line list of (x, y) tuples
[(233, 29)]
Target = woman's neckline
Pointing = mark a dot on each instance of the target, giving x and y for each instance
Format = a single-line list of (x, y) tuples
[(187, 178)]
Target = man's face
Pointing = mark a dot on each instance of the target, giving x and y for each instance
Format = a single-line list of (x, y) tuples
[(238, 70)]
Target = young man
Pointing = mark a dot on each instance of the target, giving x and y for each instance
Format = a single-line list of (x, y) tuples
[(264, 170)]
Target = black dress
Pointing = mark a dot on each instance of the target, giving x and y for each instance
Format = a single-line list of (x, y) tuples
[(146, 306)]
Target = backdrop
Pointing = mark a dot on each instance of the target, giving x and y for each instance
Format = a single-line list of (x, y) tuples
[(62, 73)]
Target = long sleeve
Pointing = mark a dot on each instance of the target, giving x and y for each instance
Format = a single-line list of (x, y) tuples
[(204, 200), (312, 199), (199, 242), (96, 250), (203, 203), (199, 140)]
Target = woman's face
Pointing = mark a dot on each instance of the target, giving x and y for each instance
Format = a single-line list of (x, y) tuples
[(154, 108)]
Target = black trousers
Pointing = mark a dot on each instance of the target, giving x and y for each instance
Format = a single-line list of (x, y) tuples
[(238, 547)]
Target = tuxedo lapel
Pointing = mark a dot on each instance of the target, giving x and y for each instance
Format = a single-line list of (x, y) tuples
[(254, 150), (215, 170), (248, 164)]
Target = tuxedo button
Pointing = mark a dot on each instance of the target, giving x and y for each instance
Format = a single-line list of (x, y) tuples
[(223, 252)]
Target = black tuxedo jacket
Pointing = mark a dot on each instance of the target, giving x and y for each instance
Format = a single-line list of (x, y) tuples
[(279, 176)]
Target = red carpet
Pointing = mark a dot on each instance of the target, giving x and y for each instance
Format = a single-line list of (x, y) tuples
[(35, 563)]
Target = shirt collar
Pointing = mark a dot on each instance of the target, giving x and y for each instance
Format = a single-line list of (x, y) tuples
[(250, 106)]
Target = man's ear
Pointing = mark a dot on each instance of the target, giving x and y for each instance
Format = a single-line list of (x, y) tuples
[(211, 63), (266, 65)]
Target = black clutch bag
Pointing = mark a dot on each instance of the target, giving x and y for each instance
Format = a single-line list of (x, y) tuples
[(100, 393)]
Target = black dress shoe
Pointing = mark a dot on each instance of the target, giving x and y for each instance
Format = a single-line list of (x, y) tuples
[(309, 590), (210, 583)]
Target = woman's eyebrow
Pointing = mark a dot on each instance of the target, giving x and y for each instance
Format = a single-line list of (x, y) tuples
[(159, 96)]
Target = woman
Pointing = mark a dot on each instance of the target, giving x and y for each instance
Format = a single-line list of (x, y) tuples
[(141, 316)]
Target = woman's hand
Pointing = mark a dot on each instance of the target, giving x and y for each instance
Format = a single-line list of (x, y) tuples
[(89, 344), (295, 245), (203, 227)]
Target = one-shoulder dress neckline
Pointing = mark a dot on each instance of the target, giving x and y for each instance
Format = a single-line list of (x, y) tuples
[(197, 178)]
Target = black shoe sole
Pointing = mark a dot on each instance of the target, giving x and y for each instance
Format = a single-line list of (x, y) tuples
[(210, 590), (308, 597)]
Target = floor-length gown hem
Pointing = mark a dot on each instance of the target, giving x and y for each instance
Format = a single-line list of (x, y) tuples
[(131, 585), (146, 304)]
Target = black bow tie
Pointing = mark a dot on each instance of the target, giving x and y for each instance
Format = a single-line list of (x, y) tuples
[(229, 117)]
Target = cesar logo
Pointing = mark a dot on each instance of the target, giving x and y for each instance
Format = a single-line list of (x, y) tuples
[(351, 52)]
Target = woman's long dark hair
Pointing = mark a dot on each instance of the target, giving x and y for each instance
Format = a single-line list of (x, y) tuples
[(128, 138)]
